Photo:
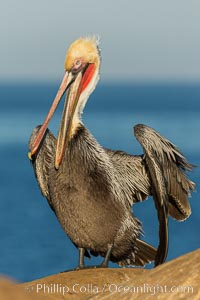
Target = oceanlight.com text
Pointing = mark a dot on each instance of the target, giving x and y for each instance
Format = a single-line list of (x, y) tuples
[(89, 288)]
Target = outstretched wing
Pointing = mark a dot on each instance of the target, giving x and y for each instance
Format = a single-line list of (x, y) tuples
[(131, 174), (170, 186)]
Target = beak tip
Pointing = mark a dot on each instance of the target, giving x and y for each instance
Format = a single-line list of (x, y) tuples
[(30, 155), (57, 164)]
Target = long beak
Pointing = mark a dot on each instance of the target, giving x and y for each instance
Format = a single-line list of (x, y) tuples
[(67, 79), (76, 84), (66, 125)]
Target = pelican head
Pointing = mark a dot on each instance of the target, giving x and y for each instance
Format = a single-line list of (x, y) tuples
[(82, 65)]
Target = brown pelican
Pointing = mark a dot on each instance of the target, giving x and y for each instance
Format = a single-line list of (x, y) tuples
[(92, 189)]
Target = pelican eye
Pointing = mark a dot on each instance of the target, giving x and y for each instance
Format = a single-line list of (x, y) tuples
[(78, 62), (78, 66)]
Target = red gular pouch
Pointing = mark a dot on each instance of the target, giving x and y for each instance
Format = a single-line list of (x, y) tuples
[(87, 76)]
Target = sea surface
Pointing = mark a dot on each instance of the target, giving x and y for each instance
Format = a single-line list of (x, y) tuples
[(32, 243)]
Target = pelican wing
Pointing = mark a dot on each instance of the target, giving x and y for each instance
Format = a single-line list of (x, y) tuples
[(43, 160), (131, 175), (138, 174), (170, 186), (164, 160)]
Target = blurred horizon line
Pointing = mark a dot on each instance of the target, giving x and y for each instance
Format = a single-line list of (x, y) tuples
[(106, 81)]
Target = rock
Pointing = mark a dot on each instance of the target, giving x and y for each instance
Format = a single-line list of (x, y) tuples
[(9, 291), (177, 279)]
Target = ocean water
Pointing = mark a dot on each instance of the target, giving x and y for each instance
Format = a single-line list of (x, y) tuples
[(32, 242)]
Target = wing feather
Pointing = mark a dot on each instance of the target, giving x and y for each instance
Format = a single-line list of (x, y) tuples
[(172, 165), (43, 160), (170, 185), (134, 180)]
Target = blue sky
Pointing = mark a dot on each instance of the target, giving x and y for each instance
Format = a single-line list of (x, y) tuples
[(140, 40)]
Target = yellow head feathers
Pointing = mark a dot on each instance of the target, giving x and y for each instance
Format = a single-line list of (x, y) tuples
[(85, 49)]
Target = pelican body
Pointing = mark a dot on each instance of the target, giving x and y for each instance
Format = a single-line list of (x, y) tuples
[(92, 189)]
